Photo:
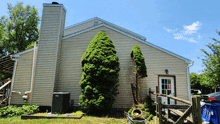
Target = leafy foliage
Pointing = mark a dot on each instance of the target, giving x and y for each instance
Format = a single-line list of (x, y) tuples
[(212, 62), (148, 110), (31, 45), (10, 111), (20, 28), (200, 81), (100, 67), (150, 117), (139, 60)]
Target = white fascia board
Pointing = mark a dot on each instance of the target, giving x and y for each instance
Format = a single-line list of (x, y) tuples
[(80, 23), (17, 54), (108, 23), (145, 42)]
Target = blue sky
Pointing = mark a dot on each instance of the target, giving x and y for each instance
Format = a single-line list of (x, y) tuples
[(180, 26)]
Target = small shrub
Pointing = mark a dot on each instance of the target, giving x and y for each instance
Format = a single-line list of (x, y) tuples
[(147, 115), (130, 111), (78, 113), (145, 105), (150, 117), (147, 110), (10, 111)]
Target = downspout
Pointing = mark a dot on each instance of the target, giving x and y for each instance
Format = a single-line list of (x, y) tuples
[(188, 80), (13, 78), (32, 73)]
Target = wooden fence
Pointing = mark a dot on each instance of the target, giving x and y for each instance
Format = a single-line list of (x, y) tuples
[(4, 93), (191, 107)]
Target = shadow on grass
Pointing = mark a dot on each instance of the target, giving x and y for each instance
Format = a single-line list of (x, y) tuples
[(114, 113)]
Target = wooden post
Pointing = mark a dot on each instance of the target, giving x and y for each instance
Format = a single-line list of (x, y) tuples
[(150, 92), (157, 90), (168, 103), (194, 116), (156, 102), (159, 109), (198, 110)]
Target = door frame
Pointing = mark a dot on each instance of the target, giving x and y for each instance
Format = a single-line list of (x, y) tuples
[(175, 94)]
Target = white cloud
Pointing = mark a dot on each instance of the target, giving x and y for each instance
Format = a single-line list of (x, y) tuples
[(191, 39), (189, 33), (170, 30), (199, 36), (192, 28), (178, 36), (167, 29)]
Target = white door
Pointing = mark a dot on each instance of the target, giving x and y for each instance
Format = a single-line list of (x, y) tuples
[(167, 83)]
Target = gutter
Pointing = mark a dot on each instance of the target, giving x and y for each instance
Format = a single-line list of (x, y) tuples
[(12, 84), (188, 80), (32, 75)]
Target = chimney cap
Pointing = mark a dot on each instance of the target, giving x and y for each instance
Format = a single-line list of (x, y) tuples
[(55, 3)]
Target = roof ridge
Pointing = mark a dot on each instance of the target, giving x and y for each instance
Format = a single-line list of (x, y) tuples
[(108, 23)]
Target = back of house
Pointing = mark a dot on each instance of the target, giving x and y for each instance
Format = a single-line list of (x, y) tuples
[(56, 66)]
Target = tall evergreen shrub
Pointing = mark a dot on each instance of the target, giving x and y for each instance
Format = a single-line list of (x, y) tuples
[(100, 67), (138, 57)]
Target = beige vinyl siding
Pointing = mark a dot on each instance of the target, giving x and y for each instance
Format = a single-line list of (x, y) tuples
[(22, 79), (47, 55), (156, 61), (80, 27), (59, 49)]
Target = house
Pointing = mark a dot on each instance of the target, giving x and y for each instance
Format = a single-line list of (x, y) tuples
[(55, 65)]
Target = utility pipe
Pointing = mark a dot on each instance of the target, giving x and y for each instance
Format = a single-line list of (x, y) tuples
[(33, 71), (188, 80)]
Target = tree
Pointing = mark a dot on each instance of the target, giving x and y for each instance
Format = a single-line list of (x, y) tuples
[(195, 81), (1, 42), (100, 67), (211, 61), (199, 81), (140, 70), (21, 27)]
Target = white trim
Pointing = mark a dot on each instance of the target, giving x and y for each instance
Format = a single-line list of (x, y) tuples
[(17, 54), (80, 23), (13, 78), (188, 80), (145, 42), (108, 23)]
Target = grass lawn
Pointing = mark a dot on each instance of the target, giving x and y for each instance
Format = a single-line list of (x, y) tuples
[(83, 120)]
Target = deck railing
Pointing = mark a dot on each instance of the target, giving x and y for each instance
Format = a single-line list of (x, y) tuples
[(191, 107)]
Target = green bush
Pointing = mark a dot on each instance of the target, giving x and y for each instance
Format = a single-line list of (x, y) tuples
[(100, 67), (130, 111), (147, 115), (147, 110), (139, 60), (10, 111), (150, 117)]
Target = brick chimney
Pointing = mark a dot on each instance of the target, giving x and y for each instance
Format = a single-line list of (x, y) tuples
[(48, 53)]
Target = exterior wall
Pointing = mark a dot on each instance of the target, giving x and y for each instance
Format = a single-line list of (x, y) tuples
[(47, 62), (22, 79), (156, 61)]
